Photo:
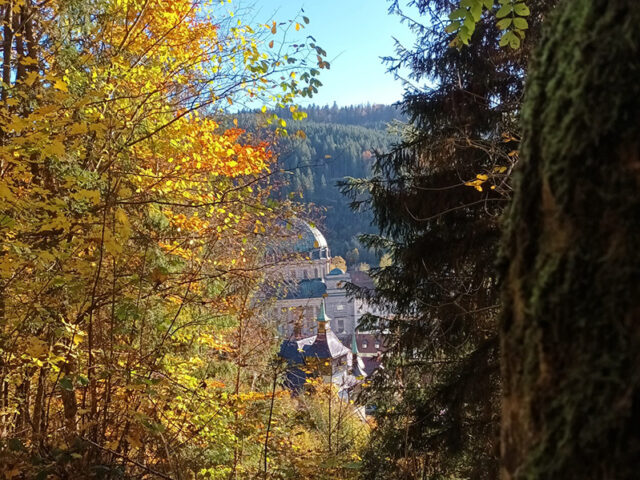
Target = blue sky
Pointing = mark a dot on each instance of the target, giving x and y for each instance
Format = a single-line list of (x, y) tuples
[(355, 34)]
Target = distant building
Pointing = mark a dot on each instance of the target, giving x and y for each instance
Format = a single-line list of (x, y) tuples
[(310, 295), (323, 355)]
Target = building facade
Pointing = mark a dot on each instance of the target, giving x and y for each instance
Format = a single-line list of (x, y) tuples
[(307, 285)]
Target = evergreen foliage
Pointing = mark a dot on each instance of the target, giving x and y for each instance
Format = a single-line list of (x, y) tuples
[(436, 197), (338, 142)]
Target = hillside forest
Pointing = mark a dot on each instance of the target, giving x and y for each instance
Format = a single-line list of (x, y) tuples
[(329, 145), (157, 157)]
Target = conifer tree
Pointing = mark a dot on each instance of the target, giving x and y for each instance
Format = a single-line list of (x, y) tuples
[(436, 198)]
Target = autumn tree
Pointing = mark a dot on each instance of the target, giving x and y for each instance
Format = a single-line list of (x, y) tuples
[(133, 219), (569, 326)]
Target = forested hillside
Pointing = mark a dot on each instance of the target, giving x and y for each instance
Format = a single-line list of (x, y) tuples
[(338, 142)]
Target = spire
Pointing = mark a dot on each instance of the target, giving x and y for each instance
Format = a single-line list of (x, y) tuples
[(354, 344), (322, 316), (357, 367)]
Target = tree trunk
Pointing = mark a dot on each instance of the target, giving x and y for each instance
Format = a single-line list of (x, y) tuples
[(570, 328), (7, 41)]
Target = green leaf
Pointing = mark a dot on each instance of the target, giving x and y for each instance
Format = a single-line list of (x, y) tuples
[(464, 35), (514, 42), (521, 9), (470, 24), (504, 11), (6, 221), (504, 40), (488, 4), (459, 13), (504, 23), (520, 23), (476, 11), (66, 384), (452, 27)]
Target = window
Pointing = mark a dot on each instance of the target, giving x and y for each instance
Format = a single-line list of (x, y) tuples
[(377, 345), (340, 307), (315, 272), (340, 325), (306, 274), (365, 344)]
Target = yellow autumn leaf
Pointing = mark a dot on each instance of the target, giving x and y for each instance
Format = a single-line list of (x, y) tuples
[(61, 85), (78, 338), (92, 196), (36, 348), (30, 78), (134, 441), (56, 148), (5, 192), (78, 128)]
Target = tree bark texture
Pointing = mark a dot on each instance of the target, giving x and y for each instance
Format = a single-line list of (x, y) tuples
[(570, 327)]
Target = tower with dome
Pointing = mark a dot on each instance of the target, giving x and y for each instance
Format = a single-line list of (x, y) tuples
[(309, 289)]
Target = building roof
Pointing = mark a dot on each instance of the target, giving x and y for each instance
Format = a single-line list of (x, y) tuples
[(307, 288), (326, 344), (309, 238), (362, 279), (336, 271)]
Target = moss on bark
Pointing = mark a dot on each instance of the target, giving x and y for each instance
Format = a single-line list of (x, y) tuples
[(570, 328)]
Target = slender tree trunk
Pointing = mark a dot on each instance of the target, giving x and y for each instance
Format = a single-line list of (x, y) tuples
[(266, 438), (18, 29), (570, 329), (38, 407), (69, 406), (7, 41), (23, 394)]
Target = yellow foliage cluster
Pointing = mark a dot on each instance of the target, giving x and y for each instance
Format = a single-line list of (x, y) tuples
[(132, 215)]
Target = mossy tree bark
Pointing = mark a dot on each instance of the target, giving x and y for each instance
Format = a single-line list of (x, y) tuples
[(570, 328)]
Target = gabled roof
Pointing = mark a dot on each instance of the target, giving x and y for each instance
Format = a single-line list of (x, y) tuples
[(326, 345)]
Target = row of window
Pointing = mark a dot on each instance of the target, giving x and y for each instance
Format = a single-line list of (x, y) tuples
[(305, 274), (365, 344)]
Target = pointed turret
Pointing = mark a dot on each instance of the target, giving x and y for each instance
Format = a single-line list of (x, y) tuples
[(354, 344), (357, 365), (327, 350), (324, 322), (322, 315)]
